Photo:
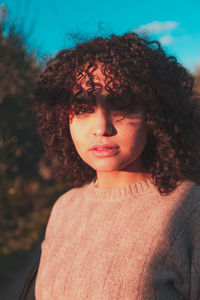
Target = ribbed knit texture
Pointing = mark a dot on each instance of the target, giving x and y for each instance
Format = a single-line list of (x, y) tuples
[(126, 243)]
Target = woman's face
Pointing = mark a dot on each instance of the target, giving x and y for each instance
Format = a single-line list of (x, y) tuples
[(105, 141)]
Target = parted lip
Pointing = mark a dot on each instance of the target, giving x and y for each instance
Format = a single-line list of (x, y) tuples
[(104, 146)]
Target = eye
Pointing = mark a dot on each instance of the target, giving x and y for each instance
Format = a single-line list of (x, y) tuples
[(82, 109), (121, 110), (126, 111)]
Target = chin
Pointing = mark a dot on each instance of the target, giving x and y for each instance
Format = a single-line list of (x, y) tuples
[(111, 166), (106, 167)]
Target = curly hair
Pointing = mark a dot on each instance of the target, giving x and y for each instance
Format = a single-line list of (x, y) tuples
[(136, 70)]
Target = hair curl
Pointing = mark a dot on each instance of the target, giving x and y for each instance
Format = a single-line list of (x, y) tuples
[(136, 70)]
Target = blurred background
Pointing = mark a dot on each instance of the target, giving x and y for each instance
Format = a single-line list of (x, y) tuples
[(30, 32)]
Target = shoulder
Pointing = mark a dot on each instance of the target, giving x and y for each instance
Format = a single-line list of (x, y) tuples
[(188, 185), (69, 198), (193, 192), (65, 207), (184, 203), (188, 211), (189, 194)]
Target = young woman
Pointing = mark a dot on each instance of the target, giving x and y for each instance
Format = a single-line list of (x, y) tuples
[(123, 121)]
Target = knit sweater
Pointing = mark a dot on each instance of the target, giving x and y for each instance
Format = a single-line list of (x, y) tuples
[(124, 243)]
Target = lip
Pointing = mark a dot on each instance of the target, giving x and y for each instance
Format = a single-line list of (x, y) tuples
[(104, 150)]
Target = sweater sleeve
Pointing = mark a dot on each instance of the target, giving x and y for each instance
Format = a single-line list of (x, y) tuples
[(182, 264), (194, 235)]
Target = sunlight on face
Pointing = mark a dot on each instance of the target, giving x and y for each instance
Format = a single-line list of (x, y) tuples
[(106, 139)]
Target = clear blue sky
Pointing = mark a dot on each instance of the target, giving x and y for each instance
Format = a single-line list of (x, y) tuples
[(48, 23)]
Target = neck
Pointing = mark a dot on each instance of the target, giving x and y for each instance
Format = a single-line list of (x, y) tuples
[(119, 178)]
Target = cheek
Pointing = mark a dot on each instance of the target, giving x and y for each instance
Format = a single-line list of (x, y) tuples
[(78, 136), (134, 140), (74, 132), (141, 136), (134, 135)]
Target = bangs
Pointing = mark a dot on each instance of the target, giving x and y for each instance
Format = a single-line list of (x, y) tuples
[(120, 95)]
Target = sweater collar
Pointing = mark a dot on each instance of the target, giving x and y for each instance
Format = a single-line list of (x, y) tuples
[(135, 189)]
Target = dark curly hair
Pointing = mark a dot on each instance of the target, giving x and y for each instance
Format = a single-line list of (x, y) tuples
[(136, 70)]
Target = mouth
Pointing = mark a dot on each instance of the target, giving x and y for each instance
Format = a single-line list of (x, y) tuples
[(104, 150)]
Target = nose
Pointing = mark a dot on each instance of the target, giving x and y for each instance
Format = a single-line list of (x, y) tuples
[(103, 125)]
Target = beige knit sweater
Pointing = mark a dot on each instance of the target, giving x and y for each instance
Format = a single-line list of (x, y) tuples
[(127, 243)]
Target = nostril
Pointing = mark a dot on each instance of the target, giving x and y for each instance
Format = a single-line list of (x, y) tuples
[(107, 130), (110, 131)]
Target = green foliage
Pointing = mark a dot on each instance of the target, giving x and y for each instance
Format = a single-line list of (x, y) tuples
[(26, 192), (29, 211), (20, 147), (197, 80)]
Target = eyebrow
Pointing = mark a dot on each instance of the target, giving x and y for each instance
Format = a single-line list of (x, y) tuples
[(83, 99)]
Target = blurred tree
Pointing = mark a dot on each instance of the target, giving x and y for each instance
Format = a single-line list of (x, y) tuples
[(27, 190), (197, 79), (20, 146)]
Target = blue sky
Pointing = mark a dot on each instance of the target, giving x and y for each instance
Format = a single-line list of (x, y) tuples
[(48, 23)]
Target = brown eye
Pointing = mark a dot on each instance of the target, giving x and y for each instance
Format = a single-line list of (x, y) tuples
[(127, 110), (83, 109), (121, 111)]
